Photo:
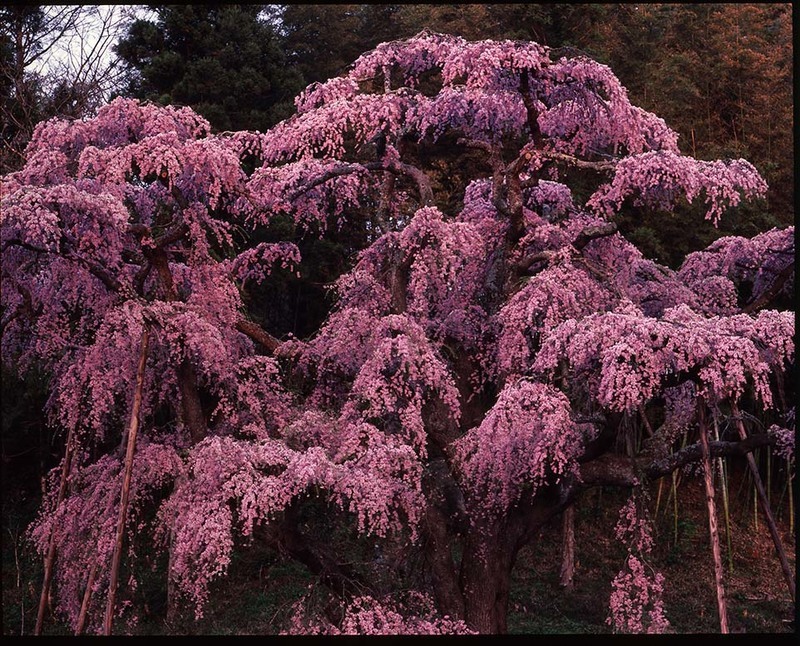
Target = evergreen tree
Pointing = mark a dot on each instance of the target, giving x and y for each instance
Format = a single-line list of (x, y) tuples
[(322, 40), (225, 61)]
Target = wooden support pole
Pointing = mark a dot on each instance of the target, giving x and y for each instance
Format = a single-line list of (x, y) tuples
[(568, 548), (126, 482), (712, 518), (765, 506), (87, 595), (51, 548)]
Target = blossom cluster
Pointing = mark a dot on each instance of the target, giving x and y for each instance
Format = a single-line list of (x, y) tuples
[(637, 603), (366, 615), (526, 439), (626, 357), (658, 179)]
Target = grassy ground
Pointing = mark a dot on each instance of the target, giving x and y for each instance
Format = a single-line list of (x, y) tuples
[(757, 594), (257, 595)]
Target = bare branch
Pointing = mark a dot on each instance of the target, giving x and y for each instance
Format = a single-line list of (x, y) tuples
[(592, 233), (621, 470), (258, 334), (580, 163), (392, 166), (772, 291)]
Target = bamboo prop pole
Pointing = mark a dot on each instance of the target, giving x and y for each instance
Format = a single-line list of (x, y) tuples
[(725, 506), (765, 506), (769, 477), (756, 457), (712, 519), (658, 497), (126, 482), (51, 548), (87, 595), (674, 508), (791, 499)]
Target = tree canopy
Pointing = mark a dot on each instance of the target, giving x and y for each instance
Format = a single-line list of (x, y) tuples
[(496, 349)]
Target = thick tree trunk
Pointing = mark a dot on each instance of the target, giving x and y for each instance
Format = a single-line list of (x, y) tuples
[(444, 512), (191, 408), (712, 520), (485, 579), (568, 548), (765, 506)]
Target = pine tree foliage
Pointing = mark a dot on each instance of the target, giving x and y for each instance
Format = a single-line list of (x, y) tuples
[(225, 61)]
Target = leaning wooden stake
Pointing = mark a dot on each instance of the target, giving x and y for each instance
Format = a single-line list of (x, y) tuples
[(725, 505), (126, 483), (712, 519), (765, 506), (87, 595), (51, 548)]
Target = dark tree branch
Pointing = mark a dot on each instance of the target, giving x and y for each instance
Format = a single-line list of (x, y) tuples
[(772, 291), (172, 235), (392, 166), (94, 267), (600, 166), (284, 536), (592, 233), (530, 109), (621, 470), (584, 238), (258, 334)]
